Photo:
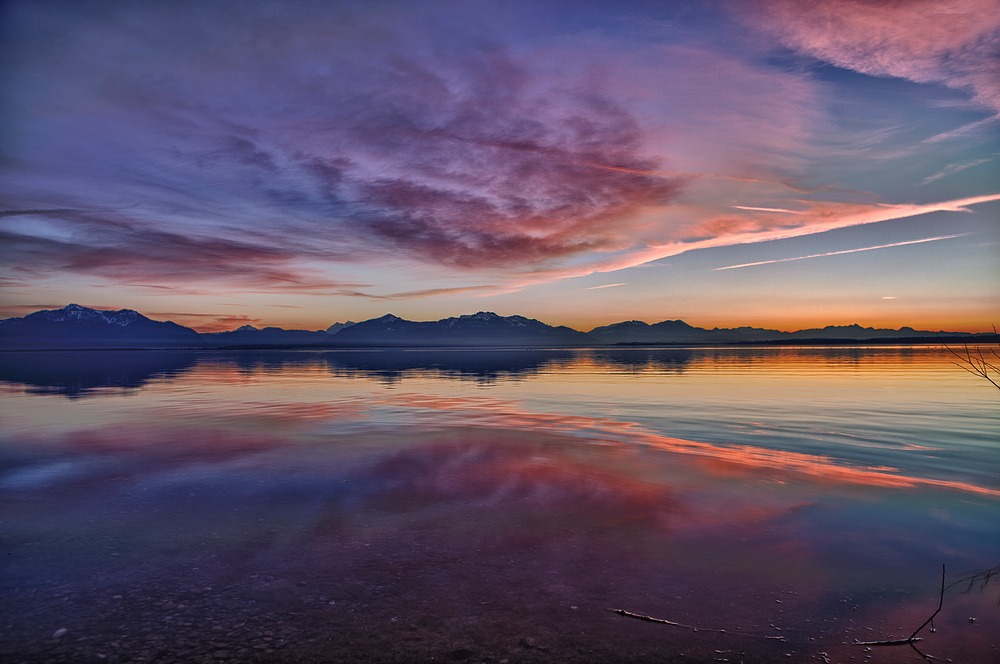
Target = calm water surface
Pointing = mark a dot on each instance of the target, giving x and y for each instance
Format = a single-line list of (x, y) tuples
[(410, 506)]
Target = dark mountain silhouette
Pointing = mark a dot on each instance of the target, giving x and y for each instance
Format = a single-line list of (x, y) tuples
[(269, 336), (637, 331), (74, 326), (679, 332), (482, 329), (858, 332)]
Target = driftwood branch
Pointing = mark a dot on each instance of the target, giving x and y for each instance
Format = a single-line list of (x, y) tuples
[(911, 640), (896, 642), (661, 621)]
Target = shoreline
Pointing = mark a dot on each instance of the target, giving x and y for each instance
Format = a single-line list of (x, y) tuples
[(977, 339)]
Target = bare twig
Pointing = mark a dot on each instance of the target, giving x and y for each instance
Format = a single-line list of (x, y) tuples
[(975, 362), (913, 639)]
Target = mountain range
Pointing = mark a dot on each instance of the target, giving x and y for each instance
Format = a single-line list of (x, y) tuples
[(74, 326)]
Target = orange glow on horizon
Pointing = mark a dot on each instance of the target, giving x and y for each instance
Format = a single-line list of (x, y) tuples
[(831, 316)]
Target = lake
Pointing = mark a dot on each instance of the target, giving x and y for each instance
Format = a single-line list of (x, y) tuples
[(497, 505)]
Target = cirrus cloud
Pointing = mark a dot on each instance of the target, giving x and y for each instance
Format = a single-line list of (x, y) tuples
[(953, 42)]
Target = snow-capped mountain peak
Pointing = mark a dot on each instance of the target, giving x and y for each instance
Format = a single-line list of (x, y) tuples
[(77, 313)]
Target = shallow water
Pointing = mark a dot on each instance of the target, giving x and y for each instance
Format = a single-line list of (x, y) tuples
[(491, 505)]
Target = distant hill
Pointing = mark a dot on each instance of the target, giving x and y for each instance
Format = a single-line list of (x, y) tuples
[(268, 336), (637, 331), (858, 332), (74, 326), (679, 332), (481, 329)]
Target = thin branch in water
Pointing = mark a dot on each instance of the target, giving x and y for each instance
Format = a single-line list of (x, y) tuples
[(982, 577), (930, 621), (661, 621), (913, 638)]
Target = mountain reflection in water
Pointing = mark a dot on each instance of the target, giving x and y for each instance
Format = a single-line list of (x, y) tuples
[(76, 373), (294, 507)]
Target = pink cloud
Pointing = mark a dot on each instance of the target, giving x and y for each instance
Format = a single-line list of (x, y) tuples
[(724, 230), (953, 42), (478, 160), (719, 115)]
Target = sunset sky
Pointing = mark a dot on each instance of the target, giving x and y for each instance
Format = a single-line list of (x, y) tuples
[(776, 163)]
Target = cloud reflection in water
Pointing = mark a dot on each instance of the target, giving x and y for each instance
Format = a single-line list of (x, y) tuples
[(472, 517)]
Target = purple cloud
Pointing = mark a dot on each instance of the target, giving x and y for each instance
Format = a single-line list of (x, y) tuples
[(128, 252), (220, 138)]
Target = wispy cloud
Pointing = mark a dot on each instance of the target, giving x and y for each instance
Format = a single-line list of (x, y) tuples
[(822, 218), (687, 175), (845, 251), (427, 292), (951, 169), (964, 131), (20, 213), (115, 246)]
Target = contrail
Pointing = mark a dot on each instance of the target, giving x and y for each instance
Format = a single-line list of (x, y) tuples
[(605, 286), (846, 251), (745, 207)]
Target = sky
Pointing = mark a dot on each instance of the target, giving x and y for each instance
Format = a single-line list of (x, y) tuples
[(776, 163)]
